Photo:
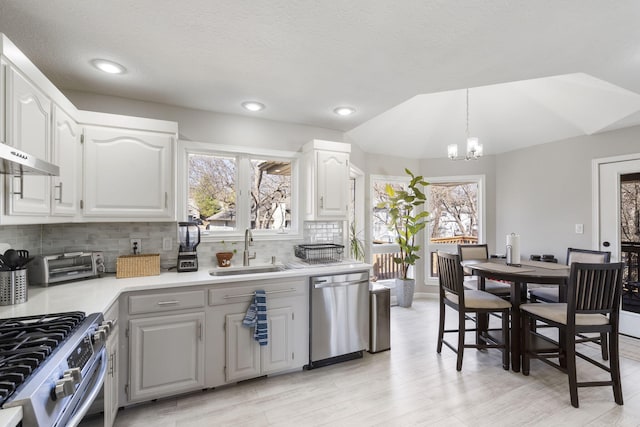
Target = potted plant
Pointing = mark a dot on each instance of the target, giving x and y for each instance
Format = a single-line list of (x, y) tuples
[(406, 222), (356, 246), (224, 257)]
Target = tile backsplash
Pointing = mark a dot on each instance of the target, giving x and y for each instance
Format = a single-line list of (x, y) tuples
[(114, 240)]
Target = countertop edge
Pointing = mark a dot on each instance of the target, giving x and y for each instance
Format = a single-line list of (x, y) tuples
[(97, 295)]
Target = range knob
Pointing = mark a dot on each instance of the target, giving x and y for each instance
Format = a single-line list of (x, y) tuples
[(99, 336), (74, 373), (65, 386)]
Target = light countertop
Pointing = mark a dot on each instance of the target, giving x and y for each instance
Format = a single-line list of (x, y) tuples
[(97, 295)]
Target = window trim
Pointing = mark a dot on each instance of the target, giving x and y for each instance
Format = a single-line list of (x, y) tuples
[(243, 154)]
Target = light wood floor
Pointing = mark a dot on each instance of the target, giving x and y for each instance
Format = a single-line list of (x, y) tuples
[(409, 385)]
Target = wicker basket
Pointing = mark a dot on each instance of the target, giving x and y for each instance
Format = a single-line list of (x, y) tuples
[(137, 265)]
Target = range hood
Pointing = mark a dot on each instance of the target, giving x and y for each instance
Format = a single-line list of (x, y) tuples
[(16, 162)]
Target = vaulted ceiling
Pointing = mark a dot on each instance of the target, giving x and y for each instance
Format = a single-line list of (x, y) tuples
[(539, 71)]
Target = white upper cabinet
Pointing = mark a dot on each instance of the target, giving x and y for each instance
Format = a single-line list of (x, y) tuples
[(325, 171), (124, 171), (67, 154), (130, 173), (28, 122)]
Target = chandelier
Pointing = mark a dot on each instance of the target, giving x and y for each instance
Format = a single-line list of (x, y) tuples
[(474, 148)]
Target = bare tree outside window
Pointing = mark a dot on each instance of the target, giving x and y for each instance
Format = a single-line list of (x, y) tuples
[(454, 211), (270, 194), (212, 190), (630, 208)]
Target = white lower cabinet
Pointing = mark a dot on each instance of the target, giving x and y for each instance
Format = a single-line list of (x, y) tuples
[(232, 352), (111, 380), (245, 358), (166, 355)]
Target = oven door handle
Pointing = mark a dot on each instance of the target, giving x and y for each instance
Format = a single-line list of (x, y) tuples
[(91, 395)]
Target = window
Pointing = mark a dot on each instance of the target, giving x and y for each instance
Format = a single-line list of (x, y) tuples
[(455, 204), (384, 248), (379, 229), (227, 192)]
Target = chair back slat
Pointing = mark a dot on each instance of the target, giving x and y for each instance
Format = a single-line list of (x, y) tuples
[(587, 255), (595, 288), (450, 275), (466, 252)]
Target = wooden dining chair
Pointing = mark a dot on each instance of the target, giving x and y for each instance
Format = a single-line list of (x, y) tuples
[(481, 252), (593, 306), (552, 294), (465, 302)]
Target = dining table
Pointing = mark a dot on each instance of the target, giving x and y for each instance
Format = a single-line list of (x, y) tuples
[(519, 276)]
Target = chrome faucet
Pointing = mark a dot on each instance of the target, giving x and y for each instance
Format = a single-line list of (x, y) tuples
[(248, 241)]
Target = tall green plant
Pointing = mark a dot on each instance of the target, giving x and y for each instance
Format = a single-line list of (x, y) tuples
[(403, 219)]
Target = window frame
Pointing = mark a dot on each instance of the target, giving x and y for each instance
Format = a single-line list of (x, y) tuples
[(243, 156)]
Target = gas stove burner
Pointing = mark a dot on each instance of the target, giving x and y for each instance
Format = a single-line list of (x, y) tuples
[(25, 343)]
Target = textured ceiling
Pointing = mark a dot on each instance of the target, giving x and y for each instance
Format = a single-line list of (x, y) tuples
[(302, 58)]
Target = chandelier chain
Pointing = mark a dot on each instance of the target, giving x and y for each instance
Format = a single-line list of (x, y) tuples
[(467, 113)]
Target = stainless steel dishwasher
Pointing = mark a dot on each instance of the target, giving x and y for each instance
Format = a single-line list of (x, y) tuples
[(338, 318)]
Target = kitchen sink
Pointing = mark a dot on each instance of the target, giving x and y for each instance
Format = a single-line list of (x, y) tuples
[(233, 271)]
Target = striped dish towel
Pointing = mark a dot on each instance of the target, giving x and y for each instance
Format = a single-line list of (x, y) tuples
[(256, 317)]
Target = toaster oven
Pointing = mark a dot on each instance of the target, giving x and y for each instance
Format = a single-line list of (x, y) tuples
[(58, 268)]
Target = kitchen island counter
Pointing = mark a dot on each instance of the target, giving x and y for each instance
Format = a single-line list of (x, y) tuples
[(97, 295)]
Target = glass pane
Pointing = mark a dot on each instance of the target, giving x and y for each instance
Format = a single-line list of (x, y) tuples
[(270, 194), (212, 191), (630, 240), (454, 214), (380, 218)]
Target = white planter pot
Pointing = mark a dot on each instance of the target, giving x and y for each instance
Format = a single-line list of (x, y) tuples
[(404, 291)]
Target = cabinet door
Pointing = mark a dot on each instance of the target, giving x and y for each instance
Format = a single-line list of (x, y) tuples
[(28, 129), (166, 355), (242, 351), (111, 381), (67, 154), (277, 355), (333, 184), (128, 173)]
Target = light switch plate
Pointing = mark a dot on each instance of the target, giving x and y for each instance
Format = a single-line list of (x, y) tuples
[(166, 243), (579, 228)]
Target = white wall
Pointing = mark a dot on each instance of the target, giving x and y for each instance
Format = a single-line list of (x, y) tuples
[(543, 191)]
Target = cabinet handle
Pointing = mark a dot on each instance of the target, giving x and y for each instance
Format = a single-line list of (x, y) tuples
[(166, 200), (59, 199), (174, 302), (200, 331), (322, 202), (252, 294), (21, 192)]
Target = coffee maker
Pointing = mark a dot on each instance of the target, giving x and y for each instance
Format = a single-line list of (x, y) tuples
[(189, 237)]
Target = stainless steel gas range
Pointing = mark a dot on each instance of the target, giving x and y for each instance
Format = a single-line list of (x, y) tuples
[(52, 365)]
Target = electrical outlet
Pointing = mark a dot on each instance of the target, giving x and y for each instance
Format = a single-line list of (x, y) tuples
[(136, 246), (166, 243), (579, 228)]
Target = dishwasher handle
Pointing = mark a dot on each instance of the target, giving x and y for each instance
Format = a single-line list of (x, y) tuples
[(339, 284)]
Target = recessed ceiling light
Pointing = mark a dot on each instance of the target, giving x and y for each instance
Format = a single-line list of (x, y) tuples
[(344, 111), (252, 106), (108, 66)]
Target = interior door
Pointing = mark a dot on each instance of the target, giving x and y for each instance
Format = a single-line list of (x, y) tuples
[(609, 223)]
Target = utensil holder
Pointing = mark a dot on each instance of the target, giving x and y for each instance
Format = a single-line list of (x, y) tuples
[(13, 287)]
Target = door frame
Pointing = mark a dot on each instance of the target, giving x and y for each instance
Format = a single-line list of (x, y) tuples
[(629, 321), (595, 195)]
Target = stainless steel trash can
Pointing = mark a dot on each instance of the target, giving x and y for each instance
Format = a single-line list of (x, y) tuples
[(379, 318)]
